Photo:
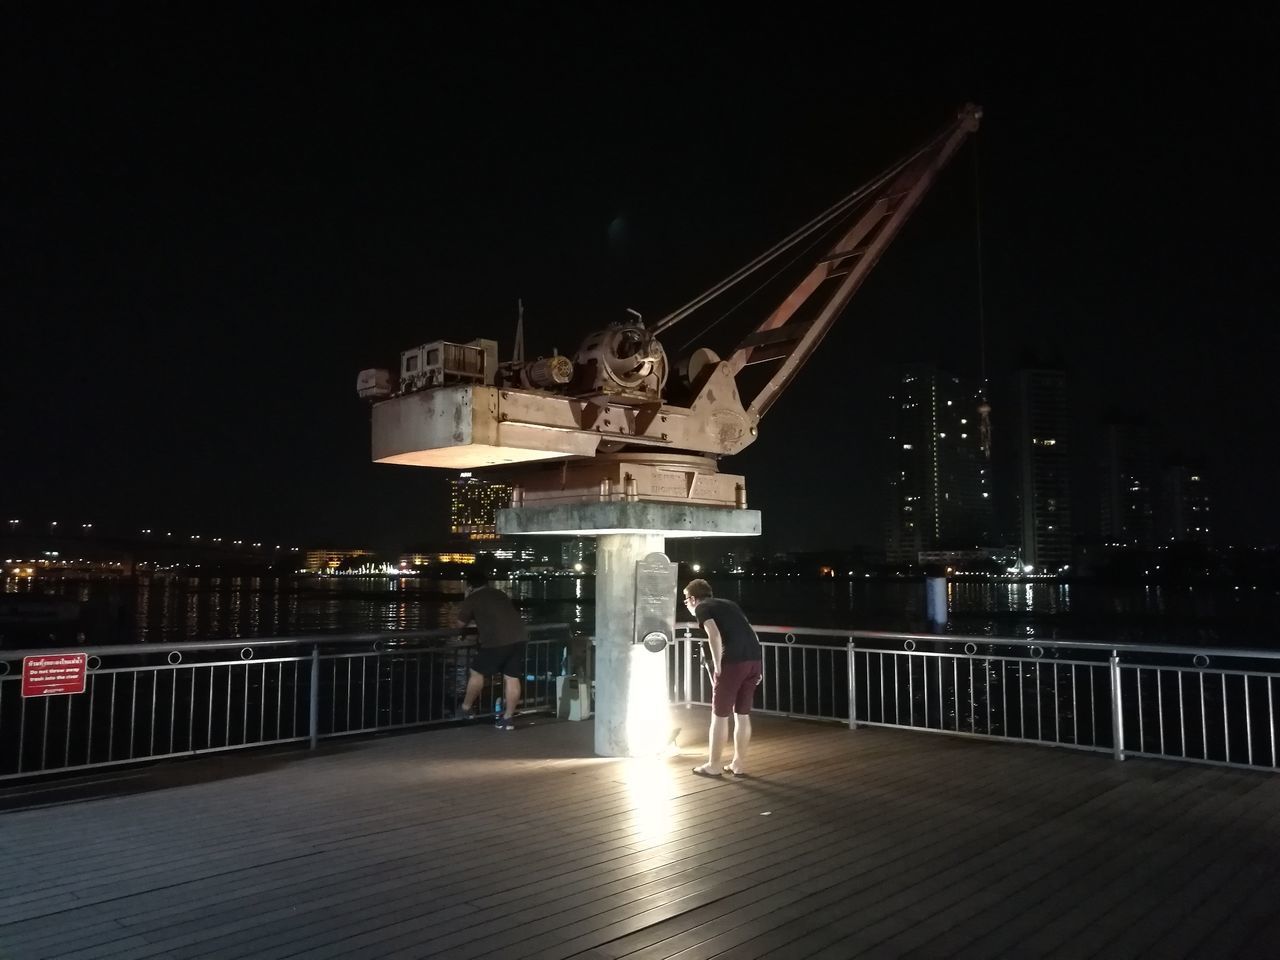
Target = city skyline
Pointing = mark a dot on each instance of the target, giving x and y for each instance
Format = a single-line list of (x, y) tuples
[(1150, 493), (214, 226)]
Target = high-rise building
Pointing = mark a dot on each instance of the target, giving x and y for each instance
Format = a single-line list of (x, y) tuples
[(474, 505), (1044, 484), (578, 551), (1187, 502), (1128, 474), (940, 483)]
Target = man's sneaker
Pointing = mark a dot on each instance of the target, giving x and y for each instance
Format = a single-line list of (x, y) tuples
[(462, 713), (506, 723)]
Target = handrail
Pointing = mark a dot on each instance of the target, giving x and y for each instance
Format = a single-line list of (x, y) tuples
[(1174, 648), (299, 639), (1167, 648)]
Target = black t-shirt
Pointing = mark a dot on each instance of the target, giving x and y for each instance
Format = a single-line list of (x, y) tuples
[(740, 640), (498, 622)]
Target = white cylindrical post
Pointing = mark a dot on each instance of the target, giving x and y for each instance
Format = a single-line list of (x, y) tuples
[(935, 591), (632, 702)]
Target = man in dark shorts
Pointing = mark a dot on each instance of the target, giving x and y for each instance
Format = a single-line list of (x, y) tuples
[(737, 669), (501, 636)]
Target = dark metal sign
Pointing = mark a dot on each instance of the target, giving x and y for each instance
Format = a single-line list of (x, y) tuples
[(655, 602)]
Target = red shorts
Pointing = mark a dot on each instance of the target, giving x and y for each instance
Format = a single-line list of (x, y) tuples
[(736, 688)]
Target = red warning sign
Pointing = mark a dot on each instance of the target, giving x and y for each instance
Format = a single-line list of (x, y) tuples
[(46, 676)]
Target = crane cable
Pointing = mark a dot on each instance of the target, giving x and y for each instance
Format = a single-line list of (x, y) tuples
[(836, 210), (807, 249)]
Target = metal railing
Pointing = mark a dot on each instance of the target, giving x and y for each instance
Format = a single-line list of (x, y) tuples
[(801, 680), (1212, 706), (145, 702)]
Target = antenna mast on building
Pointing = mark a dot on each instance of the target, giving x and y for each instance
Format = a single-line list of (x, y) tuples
[(517, 354)]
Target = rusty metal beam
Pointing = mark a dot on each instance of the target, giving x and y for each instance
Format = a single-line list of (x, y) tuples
[(878, 226)]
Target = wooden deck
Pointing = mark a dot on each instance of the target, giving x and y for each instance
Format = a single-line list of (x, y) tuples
[(468, 843)]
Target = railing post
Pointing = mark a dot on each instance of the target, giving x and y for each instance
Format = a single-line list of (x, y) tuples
[(853, 689), (315, 695), (688, 670), (1117, 716)]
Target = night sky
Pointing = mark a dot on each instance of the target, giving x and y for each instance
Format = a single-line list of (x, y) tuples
[(214, 216)]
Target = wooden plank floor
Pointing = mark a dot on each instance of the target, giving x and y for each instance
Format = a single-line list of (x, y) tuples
[(471, 843)]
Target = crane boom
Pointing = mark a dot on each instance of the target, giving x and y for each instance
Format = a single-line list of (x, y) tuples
[(849, 260), (604, 414)]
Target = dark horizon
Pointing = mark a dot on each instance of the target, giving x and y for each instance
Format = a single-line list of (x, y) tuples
[(215, 221)]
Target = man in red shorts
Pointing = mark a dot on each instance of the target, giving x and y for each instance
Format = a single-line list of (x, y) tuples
[(737, 669)]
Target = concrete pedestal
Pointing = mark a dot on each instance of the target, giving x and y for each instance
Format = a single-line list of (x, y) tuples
[(632, 712), (631, 682)]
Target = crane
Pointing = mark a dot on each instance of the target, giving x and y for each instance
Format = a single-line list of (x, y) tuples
[(612, 421)]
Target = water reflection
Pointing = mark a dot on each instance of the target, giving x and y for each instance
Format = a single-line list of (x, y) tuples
[(167, 609), (233, 621), (142, 596)]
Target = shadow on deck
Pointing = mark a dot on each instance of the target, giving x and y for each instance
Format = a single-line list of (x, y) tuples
[(469, 842)]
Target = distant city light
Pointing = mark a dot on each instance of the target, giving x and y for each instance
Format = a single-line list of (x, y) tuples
[(696, 568)]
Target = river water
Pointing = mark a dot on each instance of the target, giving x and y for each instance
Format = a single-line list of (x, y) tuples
[(170, 609)]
